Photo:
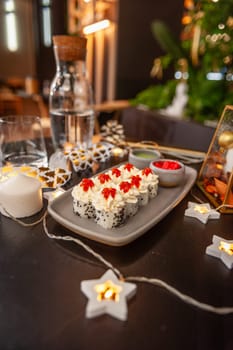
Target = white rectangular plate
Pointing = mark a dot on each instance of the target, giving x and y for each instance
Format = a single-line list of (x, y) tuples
[(61, 209)]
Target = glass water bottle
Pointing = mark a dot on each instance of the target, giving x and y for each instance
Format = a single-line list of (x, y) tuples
[(71, 98)]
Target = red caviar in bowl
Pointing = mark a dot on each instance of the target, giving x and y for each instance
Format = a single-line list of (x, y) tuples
[(170, 172), (167, 165)]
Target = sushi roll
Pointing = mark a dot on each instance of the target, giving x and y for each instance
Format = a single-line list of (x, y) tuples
[(101, 180), (115, 175), (150, 180), (109, 208), (128, 170), (83, 194), (140, 190), (131, 200)]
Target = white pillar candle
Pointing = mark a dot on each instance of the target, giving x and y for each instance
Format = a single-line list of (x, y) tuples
[(21, 196)]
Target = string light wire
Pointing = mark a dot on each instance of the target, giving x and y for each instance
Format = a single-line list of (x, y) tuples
[(158, 282), (22, 223), (141, 279), (84, 246), (229, 206)]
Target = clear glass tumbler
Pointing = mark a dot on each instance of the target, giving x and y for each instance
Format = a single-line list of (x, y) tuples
[(22, 141)]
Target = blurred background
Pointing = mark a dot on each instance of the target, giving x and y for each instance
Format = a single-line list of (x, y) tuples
[(119, 58), (137, 54)]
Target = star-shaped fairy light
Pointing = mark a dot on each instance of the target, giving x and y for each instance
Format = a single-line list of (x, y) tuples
[(202, 212), (222, 249), (107, 295)]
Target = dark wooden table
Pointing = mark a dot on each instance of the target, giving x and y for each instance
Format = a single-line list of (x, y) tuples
[(42, 307)]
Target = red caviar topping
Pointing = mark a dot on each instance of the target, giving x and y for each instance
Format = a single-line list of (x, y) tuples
[(135, 180), (167, 165), (107, 192), (125, 186), (103, 178), (86, 184), (128, 166), (116, 172), (147, 171)]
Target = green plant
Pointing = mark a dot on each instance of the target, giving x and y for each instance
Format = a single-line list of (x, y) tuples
[(156, 96), (205, 47)]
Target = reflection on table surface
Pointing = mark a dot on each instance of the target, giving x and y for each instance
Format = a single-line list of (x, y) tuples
[(42, 306)]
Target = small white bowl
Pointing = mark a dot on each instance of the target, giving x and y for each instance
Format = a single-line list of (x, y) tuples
[(171, 172), (142, 157)]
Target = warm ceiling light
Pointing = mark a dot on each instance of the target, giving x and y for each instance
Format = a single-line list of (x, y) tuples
[(94, 27)]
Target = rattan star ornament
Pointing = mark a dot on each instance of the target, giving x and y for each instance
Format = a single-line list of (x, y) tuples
[(107, 295), (202, 212)]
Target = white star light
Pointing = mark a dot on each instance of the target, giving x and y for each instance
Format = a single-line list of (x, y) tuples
[(107, 295), (202, 212), (222, 249)]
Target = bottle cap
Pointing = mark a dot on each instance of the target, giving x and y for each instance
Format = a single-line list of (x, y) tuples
[(69, 47)]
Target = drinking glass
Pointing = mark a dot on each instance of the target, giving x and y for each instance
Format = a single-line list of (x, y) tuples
[(22, 141)]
